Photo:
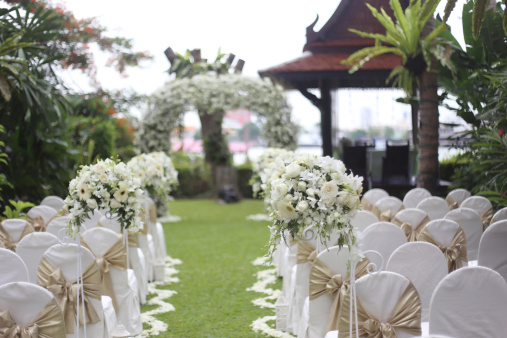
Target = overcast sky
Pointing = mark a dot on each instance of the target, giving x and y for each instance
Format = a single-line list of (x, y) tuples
[(263, 32)]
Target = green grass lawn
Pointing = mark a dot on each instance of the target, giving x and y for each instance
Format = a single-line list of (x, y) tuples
[(217, 246)]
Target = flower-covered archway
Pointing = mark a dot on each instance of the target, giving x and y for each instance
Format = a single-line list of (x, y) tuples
[(211, 95)]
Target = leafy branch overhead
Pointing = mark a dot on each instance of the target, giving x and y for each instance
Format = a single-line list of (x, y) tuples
[(403, 37)]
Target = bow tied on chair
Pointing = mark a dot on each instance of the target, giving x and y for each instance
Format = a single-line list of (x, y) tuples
[(409, 230), (406, 317), (116, 257), (486, 218), (306, 253), (376, 329), (386, 216), (9, 329), (66, 293), (452, 203), (37, 223), (323, 280), (455, 253)]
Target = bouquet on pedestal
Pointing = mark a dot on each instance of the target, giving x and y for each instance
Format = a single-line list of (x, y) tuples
[(105, 185), (314, 191)]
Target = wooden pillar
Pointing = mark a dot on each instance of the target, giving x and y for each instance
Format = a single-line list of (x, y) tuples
[(326, 122)]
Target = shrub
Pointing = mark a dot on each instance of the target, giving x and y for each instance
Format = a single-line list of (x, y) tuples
[(193, 175)]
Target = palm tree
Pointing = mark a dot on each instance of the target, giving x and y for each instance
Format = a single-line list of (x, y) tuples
[(412, 36)]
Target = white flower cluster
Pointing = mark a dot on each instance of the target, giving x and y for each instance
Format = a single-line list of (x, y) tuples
[(156, 172), (269, 162), (314, 191), (105, 185), (212, 94)]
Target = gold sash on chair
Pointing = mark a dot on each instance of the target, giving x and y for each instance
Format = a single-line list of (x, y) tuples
[(144, 229), (410, 232), (455, 253), (452, 203), (323, 280), (48, 324), (306, 253), (367, 205), (405, 317), (153, 213), (386, 215), (116, 256), (6, 239), (2, 244), (66, 293), (37, 223), (486, 218)]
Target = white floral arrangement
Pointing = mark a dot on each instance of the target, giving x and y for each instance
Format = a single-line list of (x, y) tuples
[(315, 191), (156, 172), (105, 185), (263, 168)]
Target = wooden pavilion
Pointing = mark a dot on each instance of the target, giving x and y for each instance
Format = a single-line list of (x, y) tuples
[(320, 65)]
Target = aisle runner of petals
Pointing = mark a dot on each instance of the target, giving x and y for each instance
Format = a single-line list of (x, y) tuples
[(265, 278), (160, 300)]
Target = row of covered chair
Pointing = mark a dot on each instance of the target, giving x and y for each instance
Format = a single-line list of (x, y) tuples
[(123, 275)]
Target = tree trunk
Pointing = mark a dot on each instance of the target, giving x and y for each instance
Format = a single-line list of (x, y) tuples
[(427, 174)]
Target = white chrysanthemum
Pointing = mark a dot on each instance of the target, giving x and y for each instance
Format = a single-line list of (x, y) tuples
[(122, 194), (83, 191)]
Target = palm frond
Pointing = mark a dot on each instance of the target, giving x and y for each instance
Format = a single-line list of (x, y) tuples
[(478, 16)]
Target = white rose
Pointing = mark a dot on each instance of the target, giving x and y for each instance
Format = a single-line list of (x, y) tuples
[(301, 186), (286, 211), (302, 206), (100, 167), (310, 192), (91, 203), (115, 204), (328, 191), (308, 221), (280, 191), (292, 170)]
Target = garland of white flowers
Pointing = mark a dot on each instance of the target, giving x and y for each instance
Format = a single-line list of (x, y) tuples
[(211, 93), (264, 278), (160, 300)]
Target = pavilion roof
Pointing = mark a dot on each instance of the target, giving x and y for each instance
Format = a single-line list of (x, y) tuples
[(325, 49)]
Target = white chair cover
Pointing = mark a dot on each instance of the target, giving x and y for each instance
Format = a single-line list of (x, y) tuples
[(319, 308), (145, 244), (455, 197), (93, 219), (31, 248), (100, 240), (470, 302), (363, 219), (12, 267), (443, 232), (386, 208), (110, 321), (54, 202), (156, 232), (57, 224), (500, 215), (46, 212), (15, 228), (25, 301), (436, 207), (371, 197), (483, 207), (384, 238), (413, 216), (424, 265), (414, 196), (493, 248), (136, 259), (64, 257), (471, 223), (379, 294), (288, 286)]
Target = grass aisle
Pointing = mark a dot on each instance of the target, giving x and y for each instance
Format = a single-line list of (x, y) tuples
[(217, 246)]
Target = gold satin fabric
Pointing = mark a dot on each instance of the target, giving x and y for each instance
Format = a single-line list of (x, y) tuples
[(153, 213), (405, 317), (323, 280), (452, 203), (37, 223), (144, 229), (409, 231), (366, 204), (386, 215), (66, 293), (6, 239), (306, 253), (116, 257), (486, 218), (2, 244), (48, 324), (455, 253)]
